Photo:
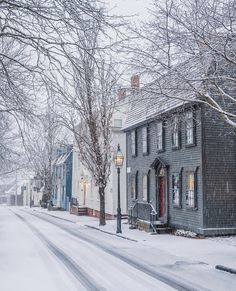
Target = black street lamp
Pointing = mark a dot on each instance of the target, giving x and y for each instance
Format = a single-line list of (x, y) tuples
[(118, 160)]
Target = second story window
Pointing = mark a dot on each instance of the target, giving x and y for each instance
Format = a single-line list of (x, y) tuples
[(175, 133), (133, 143), (160, 136), (117, 122), (145, 139), (189, 122)]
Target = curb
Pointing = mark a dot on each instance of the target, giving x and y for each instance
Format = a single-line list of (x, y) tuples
[(111, 233), (226, 269)]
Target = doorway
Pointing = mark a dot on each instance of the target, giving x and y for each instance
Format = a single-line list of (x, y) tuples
[(161, 192)]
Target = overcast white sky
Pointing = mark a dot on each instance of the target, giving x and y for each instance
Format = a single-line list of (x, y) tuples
[(129, 7)]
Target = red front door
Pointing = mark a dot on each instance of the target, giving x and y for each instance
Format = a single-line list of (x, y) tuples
[(161, 196)]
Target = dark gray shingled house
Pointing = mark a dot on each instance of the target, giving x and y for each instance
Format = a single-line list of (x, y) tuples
[(181, 162)]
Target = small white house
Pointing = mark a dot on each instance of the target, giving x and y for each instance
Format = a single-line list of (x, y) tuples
[(83, 186)]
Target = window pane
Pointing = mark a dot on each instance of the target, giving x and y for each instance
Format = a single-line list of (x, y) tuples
[(159, 136), (175, 135), (133, 145), (190, 194), (176, 189), (118, 122), (145, 187), (133, 186), (189, 127), (144, 138)]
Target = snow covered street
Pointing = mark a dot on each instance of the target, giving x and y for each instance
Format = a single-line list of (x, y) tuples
[(41, 252)]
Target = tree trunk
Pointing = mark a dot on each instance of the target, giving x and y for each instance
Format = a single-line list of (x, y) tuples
[(102, 219)]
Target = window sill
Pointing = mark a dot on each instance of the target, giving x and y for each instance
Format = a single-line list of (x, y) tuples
[(191, 208), (145, 154), (177, 206), (175, 148), (160, 151), (191, 145), (134, 156)]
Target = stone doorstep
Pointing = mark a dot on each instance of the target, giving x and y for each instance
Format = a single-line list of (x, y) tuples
[(159, 226)]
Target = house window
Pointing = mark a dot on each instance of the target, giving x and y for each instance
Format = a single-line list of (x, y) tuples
[(191, 190), (145, 187), (133, 143), (145, 139), (175, 133), (160, 144), (176, 188), (117, 122), (189, 128), (134, 186)]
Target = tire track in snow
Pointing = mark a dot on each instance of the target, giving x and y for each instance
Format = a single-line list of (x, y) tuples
[(86, 280), (170, 281)]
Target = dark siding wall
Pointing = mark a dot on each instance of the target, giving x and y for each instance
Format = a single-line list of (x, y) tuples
[(219, 157), (186, 158)]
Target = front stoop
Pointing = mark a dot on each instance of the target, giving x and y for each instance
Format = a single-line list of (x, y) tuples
[(82, 210), (158, 227)]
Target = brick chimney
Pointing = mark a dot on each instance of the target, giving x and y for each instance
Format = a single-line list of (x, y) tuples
[(121, 92), (135, 82)]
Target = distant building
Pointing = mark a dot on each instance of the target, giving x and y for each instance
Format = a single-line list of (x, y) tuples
[(62, 177), (84, 189)]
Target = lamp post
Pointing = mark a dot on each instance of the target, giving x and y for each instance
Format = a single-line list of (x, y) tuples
[(118, 160)]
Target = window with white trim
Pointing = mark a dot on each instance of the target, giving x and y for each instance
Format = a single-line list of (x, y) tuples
[(160, 145), (145, 187), (175, 133), (134, 186), (145, 139), (190, 190), (176, 188), (117, 122), (133, 143), (189, 128)]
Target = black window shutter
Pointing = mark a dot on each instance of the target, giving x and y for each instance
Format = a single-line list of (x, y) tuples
[(179, 134), (136, 185), (136, 142), (148, 186), (148, 139), (195, 189), (194, 128), (173, 183), (180, 187), (163, 136)]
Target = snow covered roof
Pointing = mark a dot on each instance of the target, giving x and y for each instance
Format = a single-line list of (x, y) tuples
[(176, 88)]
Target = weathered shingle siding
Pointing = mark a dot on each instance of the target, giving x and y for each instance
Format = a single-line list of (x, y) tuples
[(186, 158), (219, 157)]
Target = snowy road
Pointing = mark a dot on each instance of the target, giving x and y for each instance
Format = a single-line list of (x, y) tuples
[(36, 255), (52, 254)]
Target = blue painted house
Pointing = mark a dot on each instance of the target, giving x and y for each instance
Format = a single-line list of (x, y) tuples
[(62, 177)]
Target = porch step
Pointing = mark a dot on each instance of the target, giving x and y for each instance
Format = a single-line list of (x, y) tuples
[(159, 223), (82, 211), (162, 230)]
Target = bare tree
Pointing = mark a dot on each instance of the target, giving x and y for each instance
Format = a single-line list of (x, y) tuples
[(193, 45), (89, 102), (34, 36), (42, 138)]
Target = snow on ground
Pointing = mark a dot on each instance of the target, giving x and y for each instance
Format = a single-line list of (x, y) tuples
[(191, 260), (210, 250), (25, 263)]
